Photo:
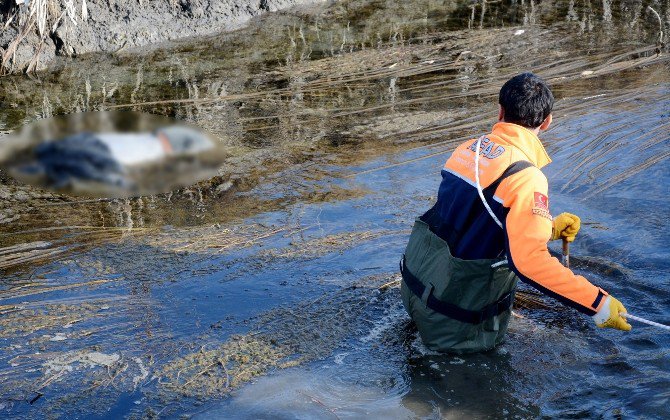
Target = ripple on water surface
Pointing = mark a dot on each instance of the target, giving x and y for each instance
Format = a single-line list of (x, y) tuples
[(272, 272)]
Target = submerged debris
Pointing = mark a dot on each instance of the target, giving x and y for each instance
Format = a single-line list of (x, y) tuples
[(313, 248), (284, 338), (77, 360), (216, 372), (25, 320), (116, 304)]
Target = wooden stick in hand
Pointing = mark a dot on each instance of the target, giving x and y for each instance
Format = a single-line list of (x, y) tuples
[(566, 253)]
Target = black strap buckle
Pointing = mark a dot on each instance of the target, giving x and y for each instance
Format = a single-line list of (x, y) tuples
[(449, 309)]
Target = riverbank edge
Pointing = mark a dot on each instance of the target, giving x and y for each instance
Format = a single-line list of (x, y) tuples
[(102, 26)]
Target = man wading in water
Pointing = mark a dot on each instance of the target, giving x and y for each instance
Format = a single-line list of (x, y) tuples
[(490, 228)]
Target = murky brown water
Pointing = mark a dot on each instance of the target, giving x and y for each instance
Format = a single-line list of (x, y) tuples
[(261, 293)]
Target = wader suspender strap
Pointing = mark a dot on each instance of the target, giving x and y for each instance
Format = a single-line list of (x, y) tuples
[(512, 169), (479, 186), (432, 217), (490, 191), (449, 309)]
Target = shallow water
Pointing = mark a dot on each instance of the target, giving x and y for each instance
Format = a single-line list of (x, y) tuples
[(271, 298), (555, 363)]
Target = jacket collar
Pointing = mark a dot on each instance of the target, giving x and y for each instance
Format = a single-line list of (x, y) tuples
[(524, 140)]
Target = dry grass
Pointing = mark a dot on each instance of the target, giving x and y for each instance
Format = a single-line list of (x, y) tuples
[(80, 238), (323, 245), (216, 372), (42, 17), (366, 69), (49, 318)]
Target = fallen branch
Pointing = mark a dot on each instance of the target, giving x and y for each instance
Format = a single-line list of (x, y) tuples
[(660, 26)]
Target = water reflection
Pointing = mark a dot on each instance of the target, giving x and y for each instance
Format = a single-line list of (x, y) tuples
[(468, 386), (336, 124)]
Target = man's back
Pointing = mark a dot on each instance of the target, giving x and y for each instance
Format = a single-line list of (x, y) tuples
[(465, 223), (490, 226)]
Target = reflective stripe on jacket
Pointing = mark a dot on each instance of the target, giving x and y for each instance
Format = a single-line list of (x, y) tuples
[(520, 202)]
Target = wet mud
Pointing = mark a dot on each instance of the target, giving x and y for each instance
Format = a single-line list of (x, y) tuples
[(271, 289)]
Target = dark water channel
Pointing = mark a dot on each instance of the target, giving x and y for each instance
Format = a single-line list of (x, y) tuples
[(271, 290)]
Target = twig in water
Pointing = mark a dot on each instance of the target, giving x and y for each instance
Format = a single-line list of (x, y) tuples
[(225, 370), (244, 242), (37, 397), (202, 372), (389, 285), (53, 289), (316, 400), (58, 375)]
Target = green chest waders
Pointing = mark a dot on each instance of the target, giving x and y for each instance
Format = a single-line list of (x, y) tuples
[(459, 306)]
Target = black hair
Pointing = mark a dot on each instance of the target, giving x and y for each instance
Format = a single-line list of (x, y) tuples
[(526, 99)]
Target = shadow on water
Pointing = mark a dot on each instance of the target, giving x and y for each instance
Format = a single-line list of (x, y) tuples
[(270, 290)]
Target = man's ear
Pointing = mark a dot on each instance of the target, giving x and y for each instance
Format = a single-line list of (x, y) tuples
[(501, 113), (546, 123)]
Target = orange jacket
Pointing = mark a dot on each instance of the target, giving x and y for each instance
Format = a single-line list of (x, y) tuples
[(520, 202)]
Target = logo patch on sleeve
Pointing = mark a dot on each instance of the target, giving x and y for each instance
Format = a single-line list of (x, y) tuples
[(542, 213), (541, 207), (541, 201)]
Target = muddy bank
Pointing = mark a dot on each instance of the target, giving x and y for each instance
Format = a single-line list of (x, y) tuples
[(68, 29), (38, 34)]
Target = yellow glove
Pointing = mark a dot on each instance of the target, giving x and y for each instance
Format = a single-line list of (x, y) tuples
[(608, 316), (566, 225)]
